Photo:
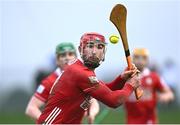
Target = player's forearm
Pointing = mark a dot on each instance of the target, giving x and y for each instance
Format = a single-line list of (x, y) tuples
[(169, 93), (93, 111), (33, 112), (116, 84), (122, 95), (166, 96), (94, 108), (113, 98), (171, 96)]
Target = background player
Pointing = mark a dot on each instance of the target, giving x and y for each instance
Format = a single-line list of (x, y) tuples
[(144, 111), (65, 53)]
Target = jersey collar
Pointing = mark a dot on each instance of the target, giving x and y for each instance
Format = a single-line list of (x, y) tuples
[(58, 71)]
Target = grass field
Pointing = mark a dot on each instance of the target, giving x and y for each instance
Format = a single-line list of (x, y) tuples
[(111, 116), (165, 117)]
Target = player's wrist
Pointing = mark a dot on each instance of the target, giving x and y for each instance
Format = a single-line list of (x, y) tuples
[(129, 88), (122, 78)]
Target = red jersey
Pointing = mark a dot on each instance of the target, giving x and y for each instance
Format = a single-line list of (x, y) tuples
[(45, 87), (143, 111), (71, 95)]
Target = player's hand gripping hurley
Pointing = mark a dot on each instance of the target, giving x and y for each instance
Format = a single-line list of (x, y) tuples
[(118, 18)]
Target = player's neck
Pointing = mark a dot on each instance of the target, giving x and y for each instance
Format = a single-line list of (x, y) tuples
[(61, 67), (85, 65), (91, 69)]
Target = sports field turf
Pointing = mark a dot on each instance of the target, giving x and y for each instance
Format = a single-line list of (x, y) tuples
[(109, 116)]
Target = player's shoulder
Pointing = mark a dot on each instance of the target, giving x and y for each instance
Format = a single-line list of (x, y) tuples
[(78, 68), (50, 78), (154, 74)]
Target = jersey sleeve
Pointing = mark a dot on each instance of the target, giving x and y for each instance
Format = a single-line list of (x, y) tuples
[(112, 98), (116, 84), (88, 82), (97, 89), (42, 92)]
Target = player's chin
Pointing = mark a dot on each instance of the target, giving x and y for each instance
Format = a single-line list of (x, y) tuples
[(92, 64), (94, 59)]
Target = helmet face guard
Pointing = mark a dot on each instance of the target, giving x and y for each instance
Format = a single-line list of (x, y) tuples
[(88, 39)]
